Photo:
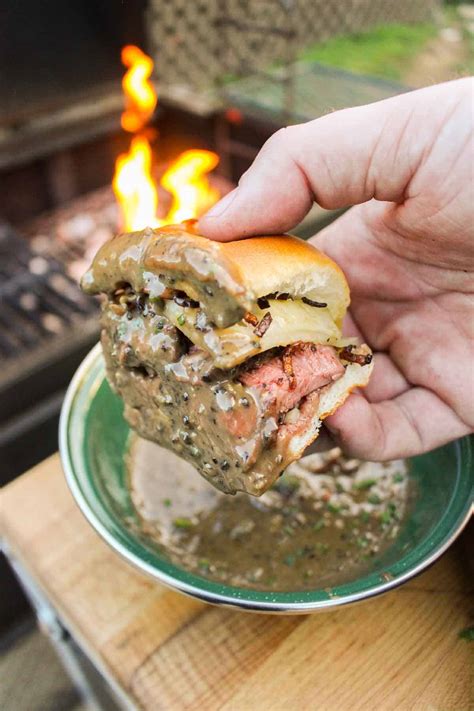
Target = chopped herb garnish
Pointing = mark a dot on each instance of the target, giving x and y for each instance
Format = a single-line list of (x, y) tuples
[(374, 499), (390, 512), (287, 484), (204, 564), (289, 510), (305, 551), (364, 484), (362, 542), (398, 477), (318, 525), (365, 516), (386, 517), (183, 523), (289, 560), (467, 633), (322, 547), (167, 502), (333, 508), (289, 530), (181, 319)]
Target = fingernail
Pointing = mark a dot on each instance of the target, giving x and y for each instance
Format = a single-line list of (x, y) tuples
[(220, 207)]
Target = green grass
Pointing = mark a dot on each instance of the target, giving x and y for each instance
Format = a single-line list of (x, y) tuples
[(385, 52)]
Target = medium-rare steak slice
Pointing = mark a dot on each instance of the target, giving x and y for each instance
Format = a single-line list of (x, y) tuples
[(312, 367)]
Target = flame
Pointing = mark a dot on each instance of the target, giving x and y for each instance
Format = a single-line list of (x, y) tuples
[(133, 184), (186, 180), (140, 93), (134, 187)]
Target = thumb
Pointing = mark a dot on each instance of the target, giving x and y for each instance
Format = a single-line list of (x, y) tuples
[(344, 158)]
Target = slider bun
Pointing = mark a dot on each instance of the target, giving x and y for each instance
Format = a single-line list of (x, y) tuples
[(282, 263), (246, 269), (289, 265)]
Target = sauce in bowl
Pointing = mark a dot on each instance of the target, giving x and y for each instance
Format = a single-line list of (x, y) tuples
[(319, 525)]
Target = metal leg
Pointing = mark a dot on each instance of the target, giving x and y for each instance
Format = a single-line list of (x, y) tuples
[(114, 699)]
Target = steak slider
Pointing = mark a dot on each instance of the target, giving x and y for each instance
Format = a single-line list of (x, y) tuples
[(229, 354)]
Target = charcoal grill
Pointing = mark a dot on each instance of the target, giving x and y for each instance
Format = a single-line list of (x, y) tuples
[(46, 326), (38, 300)]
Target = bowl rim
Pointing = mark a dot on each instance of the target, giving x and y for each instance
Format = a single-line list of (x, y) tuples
[(243, 600)]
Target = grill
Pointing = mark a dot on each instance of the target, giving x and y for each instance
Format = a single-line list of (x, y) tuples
[(39, 301), (47, 325)]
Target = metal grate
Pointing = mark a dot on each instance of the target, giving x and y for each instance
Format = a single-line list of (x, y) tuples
[(38, 299)]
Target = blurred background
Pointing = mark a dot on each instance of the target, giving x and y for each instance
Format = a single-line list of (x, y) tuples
[(206, 83)]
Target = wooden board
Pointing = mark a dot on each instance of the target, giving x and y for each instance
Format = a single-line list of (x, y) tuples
[(400, 651)]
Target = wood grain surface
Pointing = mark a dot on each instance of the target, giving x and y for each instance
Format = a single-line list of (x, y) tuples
[(168, 652)]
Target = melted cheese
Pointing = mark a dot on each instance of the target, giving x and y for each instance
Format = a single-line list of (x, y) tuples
[(291, 321)]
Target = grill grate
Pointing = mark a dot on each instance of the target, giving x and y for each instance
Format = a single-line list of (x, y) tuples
[(39, 300)]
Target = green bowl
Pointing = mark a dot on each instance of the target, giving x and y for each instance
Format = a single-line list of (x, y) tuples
[(93, 440)]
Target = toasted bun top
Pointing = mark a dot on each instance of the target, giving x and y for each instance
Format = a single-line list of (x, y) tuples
[(246, 269)]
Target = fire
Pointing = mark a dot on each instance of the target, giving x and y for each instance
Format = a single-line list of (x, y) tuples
[(186, 180), (134, 187), (140, 93), (133, 183)]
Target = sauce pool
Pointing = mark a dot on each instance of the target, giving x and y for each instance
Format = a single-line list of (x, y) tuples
[(321, 524)]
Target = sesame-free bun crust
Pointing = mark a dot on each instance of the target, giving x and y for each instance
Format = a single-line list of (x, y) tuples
[(246, 269), (289, 265)]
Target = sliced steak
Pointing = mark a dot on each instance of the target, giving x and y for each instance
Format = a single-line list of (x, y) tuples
[(313, 367)]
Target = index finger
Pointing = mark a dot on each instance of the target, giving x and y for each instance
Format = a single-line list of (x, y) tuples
[(341, 159)]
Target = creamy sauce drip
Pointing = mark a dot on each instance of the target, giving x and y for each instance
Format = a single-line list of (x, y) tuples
[(175, 396), (151, 262)]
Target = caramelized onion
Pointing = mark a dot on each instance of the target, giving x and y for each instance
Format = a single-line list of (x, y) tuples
[(264, 325), (360, 358), (311, 302), (251, 318), (182, 299)]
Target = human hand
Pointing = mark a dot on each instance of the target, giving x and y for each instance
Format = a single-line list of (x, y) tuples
[(407, 249)]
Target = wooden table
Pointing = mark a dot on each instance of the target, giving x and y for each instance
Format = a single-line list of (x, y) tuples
[(169, 652)]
